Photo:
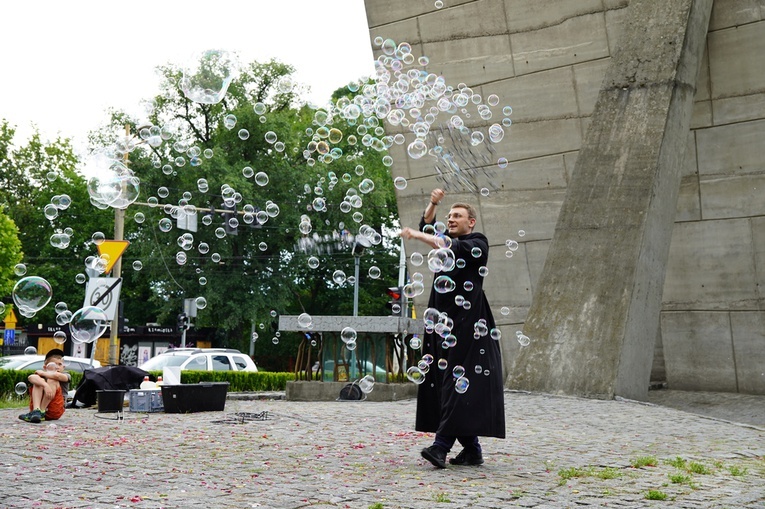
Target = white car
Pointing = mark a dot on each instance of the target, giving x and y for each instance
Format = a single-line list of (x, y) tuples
[(201, 359), (35, 362)]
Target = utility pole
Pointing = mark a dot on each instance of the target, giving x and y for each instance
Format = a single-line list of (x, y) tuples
[(119, 234)]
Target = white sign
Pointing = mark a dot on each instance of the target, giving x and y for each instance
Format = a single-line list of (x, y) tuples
[(104, 293)]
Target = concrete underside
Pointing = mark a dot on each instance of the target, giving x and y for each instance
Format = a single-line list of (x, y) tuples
[(595, 313)]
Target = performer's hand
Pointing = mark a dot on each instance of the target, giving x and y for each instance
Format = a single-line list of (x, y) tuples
[(436, 196), (407, 233)]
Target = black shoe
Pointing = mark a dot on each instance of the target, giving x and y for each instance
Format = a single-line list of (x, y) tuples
[(467, 457), (435, 455)]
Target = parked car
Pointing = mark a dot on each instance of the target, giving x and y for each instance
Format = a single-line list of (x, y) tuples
[(367, 369), (35, 362), (201, 359)]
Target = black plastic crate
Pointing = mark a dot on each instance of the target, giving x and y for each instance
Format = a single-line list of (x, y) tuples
[(189, 398)]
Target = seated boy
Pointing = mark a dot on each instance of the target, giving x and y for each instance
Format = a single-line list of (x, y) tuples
[(49, 387)]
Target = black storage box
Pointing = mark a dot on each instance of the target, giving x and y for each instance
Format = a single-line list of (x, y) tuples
[(110, 401), (201, 397)]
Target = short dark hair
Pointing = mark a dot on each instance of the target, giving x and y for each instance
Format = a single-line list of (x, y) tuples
[(56, 352)]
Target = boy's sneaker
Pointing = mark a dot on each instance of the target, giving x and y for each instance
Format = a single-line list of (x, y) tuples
[(35, 416)]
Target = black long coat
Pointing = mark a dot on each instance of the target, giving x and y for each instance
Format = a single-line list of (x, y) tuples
[(480, 410)]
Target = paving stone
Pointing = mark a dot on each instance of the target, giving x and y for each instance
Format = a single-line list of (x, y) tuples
[(330, 454)]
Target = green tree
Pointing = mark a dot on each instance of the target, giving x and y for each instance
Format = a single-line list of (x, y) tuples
[(10, 254), (36, 175), (206, 155)]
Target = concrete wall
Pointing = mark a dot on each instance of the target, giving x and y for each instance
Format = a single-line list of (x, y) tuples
[(547, 59)]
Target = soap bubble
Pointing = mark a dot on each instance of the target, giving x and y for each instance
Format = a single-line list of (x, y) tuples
[(521, 233), (416, 259), (505, 310), (348, 334), (50, 211), (201, 302), (415, 342), (98, 238), (20, 388), (495, 334), (137, 265), (461, 385), (444, 284), (229, 121), (59, 337), (524, 340), (483, 271), (208, 75), (305, 320), (415, 374), (165, 225), (261, 178), (64, 317), (338, 277), (458, 371), (374, 272), (399, 183), (19, 269), (243, 134), (88, 324), (313, 262), (350, 345), (139, 217), (31, 294), (30, 350), (476, 252), (366, 384)]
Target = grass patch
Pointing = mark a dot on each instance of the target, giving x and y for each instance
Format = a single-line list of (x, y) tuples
[(737, 471), (680, 478), (656, 495), (678, 462), (569, 473), (376, 505), (13, 401), (441, 497), (698, 468), (645, 461), (608, 473)]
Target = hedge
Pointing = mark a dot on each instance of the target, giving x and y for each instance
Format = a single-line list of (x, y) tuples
[(240, 381)]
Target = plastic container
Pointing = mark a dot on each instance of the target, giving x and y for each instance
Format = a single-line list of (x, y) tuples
[(110, 401), (145, 400)]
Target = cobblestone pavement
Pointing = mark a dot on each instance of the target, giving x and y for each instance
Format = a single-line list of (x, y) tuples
[(560, 452)]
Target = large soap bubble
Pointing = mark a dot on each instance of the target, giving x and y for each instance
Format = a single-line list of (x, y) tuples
[(88, 324), (207, 76), (114, 184), (31, 294)]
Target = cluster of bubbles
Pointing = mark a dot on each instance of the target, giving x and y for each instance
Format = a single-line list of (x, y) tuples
[(401, 94)]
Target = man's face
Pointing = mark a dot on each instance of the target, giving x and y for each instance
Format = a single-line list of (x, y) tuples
[(458, 223)]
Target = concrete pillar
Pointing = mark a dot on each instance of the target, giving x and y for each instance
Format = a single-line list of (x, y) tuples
[(595, 312)]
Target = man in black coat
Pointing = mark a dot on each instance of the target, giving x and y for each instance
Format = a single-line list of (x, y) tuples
[(461, 397)]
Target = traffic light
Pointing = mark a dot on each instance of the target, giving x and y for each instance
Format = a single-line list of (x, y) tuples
[(397, 302), (230, 219), (183, 322)]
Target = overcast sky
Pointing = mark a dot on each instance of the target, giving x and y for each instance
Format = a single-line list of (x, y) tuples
[(64, 63)]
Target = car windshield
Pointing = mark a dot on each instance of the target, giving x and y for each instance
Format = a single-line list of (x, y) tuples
[(11, 363), (159, 362)]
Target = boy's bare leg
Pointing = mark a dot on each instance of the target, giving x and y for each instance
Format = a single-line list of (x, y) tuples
[(42, 397)]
